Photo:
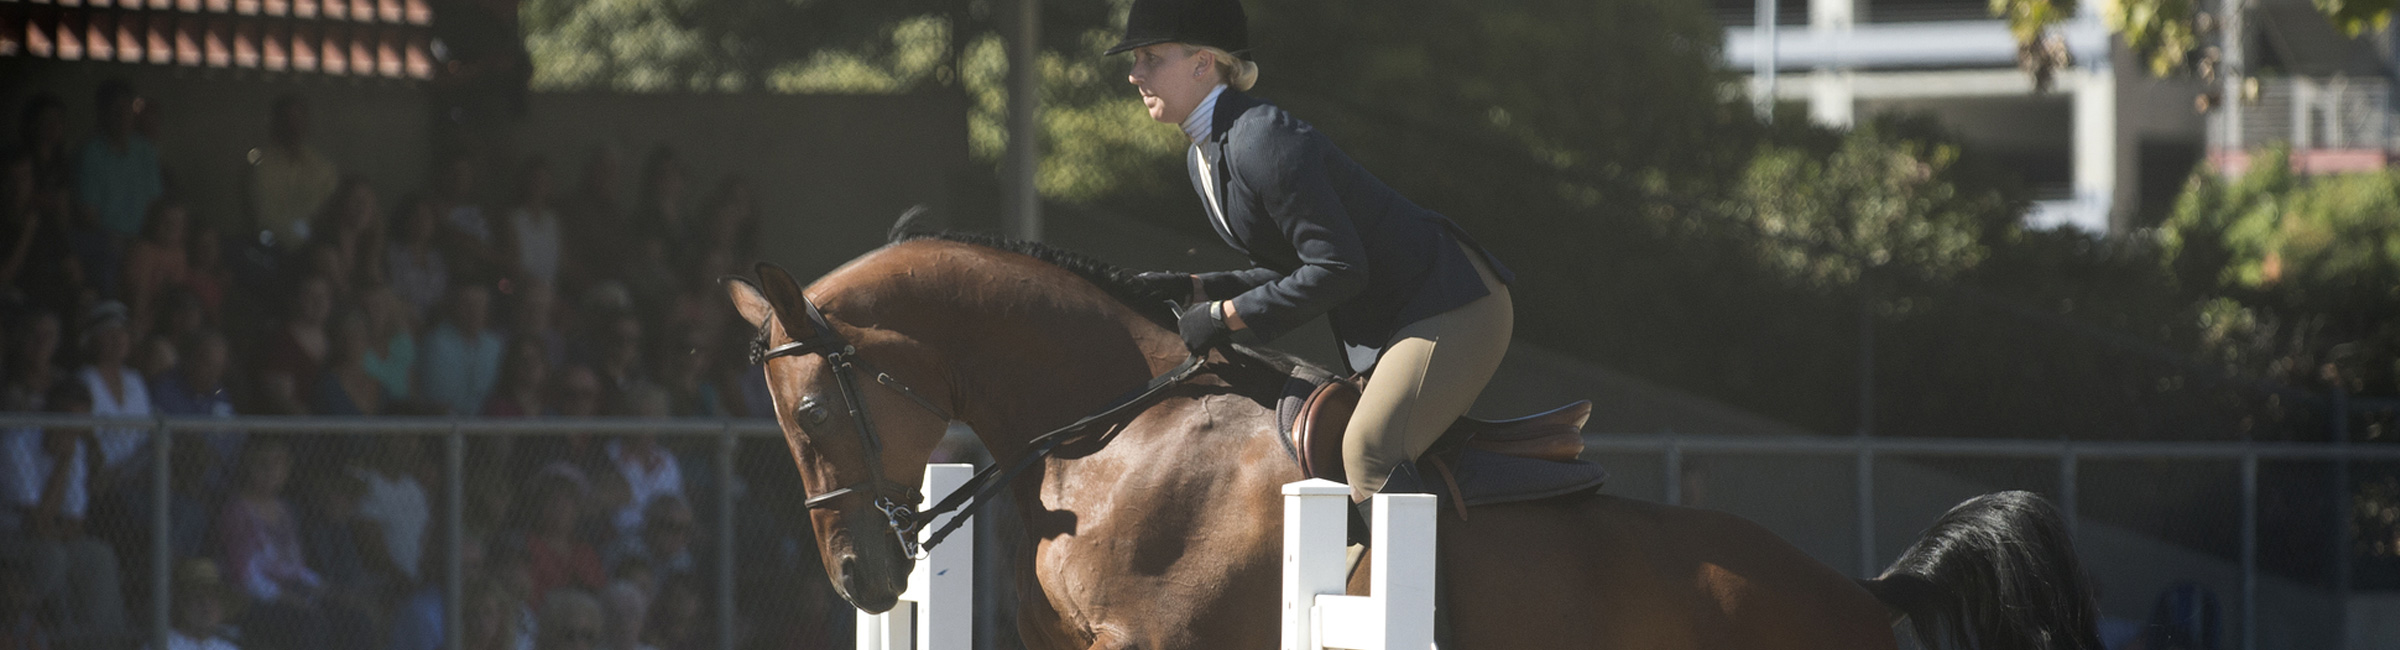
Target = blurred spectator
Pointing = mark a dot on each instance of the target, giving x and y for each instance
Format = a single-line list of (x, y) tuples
[(524, 389), (650, 470), (415, 266), (508, 562), (191, 504), (535, 318), (664, 544), (260, 537), (620, 360), (579, 392), (461, 362), (200, 601), (208, 277), (330, 537), (492, 618), (33, 357), (116, 389), (197, 387), (352, 229), (43, 528), (345, 387), (598, 239), (395, 504), (117, 173), (156, 264), (42, 139), (662, 235), (570, 621), (554, 556), (296, 352), (688, 372), (530, 237), (419, 622), (2185, 616), (466, 228), (392, 343), (157, 357), (675, 621), (289, 180), (627, 608), (258, 533), (733, 218), (40, 268), (20, 628)]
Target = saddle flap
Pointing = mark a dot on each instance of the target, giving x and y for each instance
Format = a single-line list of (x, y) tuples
[(1319, 427)]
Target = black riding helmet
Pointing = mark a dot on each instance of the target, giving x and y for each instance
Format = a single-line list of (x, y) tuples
[(1213, 23)]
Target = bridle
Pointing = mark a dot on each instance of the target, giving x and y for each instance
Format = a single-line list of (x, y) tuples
[(898, 502)]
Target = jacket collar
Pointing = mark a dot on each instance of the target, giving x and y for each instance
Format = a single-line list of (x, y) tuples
[(1230, 106)]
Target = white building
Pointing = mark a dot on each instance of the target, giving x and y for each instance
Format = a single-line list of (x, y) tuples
[(2109, 146)]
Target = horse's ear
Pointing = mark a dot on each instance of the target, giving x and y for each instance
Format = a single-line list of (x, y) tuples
[(783, 294), (748, 300)]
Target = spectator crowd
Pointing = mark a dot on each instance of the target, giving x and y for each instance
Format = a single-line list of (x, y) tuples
[(505, 289)]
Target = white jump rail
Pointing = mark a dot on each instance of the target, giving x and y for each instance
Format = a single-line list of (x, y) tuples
[(1317, 613), (937, 611)]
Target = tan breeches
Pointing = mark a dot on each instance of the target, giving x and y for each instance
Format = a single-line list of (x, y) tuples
[(1428, 376)]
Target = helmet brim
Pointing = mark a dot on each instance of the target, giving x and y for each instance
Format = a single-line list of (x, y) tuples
[(1131, 44)]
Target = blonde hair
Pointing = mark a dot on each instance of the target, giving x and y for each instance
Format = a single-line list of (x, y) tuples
[(1234, 71)]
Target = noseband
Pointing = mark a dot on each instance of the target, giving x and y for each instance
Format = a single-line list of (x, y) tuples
[(898, 502)]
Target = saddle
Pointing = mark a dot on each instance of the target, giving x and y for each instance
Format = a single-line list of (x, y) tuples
[(1477, 462)]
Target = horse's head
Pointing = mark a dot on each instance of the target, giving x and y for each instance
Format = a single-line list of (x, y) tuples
[(861, 448)]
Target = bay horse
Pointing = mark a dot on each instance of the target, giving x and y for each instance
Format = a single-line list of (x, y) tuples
[(1162, 529)]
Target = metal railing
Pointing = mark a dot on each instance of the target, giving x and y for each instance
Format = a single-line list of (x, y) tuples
[(2068, 454), (2335, 112), (1674, 448), (454, 431)]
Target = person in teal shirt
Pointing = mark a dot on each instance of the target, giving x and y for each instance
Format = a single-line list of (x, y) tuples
[(117, 174)]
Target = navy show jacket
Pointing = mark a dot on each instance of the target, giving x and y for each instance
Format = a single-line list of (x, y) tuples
[(1326, 236)]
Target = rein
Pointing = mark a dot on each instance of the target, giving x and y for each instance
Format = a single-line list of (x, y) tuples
[(904, 520)]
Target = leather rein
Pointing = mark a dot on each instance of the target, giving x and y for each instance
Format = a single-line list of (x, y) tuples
[(900, 515)]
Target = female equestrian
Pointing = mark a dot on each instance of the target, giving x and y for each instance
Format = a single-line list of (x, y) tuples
[(1412, 299)]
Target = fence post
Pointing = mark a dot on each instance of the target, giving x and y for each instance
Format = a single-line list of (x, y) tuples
[(725, 531), (454, 537), (1866, 512), (2342, 513), (1674, 473), (2250, 550), (937, 611), (162, 552), (2069, 482)]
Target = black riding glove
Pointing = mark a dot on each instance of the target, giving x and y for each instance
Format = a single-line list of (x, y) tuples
[(1165, 285), (1202, 328)]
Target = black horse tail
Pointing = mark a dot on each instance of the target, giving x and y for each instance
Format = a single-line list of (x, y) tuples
[(1998, 572)]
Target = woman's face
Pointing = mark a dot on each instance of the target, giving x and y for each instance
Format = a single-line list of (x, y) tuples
[(1173, 78)]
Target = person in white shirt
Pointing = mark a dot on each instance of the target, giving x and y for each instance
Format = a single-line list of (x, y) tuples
[(117, 389), (395, 502), (650, 471), (530, 236)]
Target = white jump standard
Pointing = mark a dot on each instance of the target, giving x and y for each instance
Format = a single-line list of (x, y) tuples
[(937, 611), (1317, 612)]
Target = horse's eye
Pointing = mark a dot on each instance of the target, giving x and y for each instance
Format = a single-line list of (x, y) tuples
[(812, 413)]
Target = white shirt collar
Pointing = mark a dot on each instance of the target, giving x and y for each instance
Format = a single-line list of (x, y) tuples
[(1203, 117)]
